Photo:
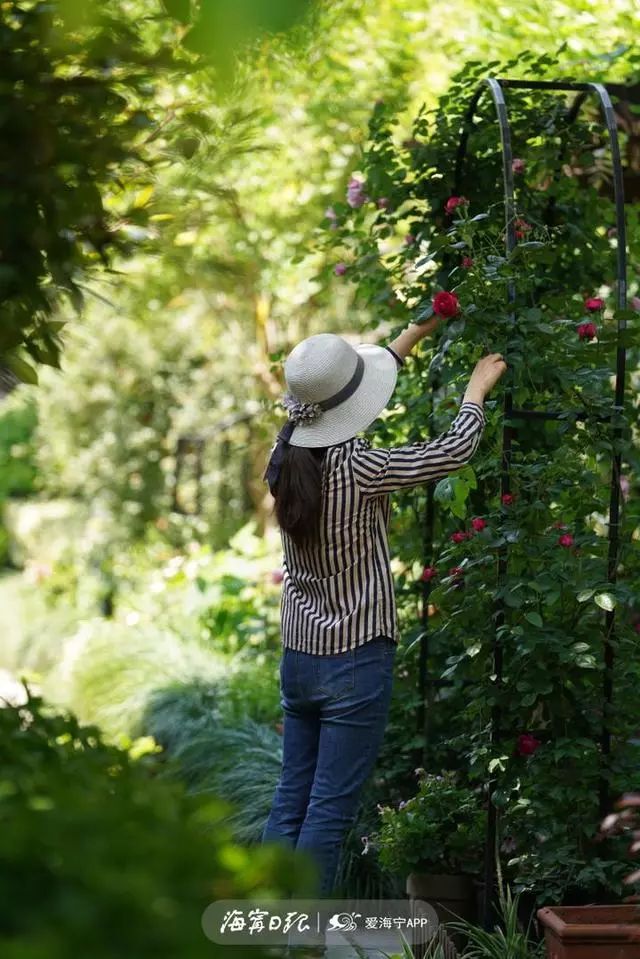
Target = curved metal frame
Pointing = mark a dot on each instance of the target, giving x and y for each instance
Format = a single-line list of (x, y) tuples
[(497, 87)]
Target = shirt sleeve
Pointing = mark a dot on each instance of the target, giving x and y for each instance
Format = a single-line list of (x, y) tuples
[(379, 471)]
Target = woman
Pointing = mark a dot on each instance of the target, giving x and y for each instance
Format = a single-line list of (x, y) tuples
[(338, 614)]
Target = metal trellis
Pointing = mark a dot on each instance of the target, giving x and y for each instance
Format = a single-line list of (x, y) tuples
[(496, 87)]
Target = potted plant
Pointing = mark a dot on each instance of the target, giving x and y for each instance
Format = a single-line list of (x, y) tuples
[(436, 839), (600, 931)]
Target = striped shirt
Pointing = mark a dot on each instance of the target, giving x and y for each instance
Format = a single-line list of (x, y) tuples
[(338, 593)]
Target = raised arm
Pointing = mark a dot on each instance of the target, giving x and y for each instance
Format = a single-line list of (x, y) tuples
[(384, 470)]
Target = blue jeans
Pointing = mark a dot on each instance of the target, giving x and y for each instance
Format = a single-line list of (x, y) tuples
[(335, 713)]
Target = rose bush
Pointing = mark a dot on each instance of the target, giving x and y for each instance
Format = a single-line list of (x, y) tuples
[(552, 520)]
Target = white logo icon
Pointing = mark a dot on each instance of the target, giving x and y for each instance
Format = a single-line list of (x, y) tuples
[(343, 921)]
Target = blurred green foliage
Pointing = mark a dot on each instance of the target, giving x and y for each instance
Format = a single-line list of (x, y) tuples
[(100, 856), (78, 104)]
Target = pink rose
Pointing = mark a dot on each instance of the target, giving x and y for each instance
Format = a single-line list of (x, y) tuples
[(277, 575), (458, 537), (382, 203), (355, 193), (587, 331), (527, 744), (478, 524), (565, 540), (467, 262), (635, 303), (428, 573), (445, 304), (340, 269), (593, 304), (409, 239), (517, 165), (453, 202)]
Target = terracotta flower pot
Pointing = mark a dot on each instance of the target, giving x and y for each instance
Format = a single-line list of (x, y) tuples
[(591, 932)]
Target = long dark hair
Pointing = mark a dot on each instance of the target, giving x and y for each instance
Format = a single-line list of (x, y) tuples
[(298, 493)]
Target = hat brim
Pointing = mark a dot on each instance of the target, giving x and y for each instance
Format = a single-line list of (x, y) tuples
[(360, 410)]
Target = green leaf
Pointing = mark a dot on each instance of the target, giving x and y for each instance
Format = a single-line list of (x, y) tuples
[(584, 595), (444, 491), (605, 601), (24, 371), (534, 618)]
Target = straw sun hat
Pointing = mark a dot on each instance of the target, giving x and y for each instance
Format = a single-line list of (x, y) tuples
[(335, 390)]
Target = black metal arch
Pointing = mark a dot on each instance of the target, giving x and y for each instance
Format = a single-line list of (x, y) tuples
[(496, 86)]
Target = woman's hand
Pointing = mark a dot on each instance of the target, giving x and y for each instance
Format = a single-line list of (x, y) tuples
[(405, 342), (431, 324), (486, 374)]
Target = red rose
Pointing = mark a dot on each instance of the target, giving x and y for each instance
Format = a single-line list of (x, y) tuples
[(456, 571), (478, 524), (445, 304), (565, 540), (507, 498), (522, 227), (587, 331), (517, 165), (593, 304), (636, 626), (527, 744), (428, 573), (453, 202), (458, 537), (467, 262)]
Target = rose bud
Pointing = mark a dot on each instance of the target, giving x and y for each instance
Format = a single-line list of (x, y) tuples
[(587, 331), (467, 262), (593, 304), (453, 202), (458, 537), (478, 524), (507, 499), (565, 540), (428, 573), (527, 744)]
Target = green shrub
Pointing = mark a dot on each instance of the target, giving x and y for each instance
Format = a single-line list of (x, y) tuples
[(440, 829), (100, 858)]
